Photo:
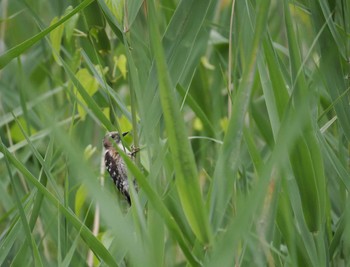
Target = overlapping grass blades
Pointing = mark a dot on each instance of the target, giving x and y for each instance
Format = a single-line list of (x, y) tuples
[(266, 185)]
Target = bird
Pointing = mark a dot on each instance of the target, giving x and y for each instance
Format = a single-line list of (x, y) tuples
[(115, 165)]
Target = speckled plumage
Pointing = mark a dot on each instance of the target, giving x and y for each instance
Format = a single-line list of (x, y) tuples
[(115, 165)]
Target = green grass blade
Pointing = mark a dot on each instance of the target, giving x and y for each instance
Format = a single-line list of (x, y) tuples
[(91, 103), (306, 157), (43, 163), (197, 109), (183, 43), (10, 234), (19, 49), (185, 167), (159, 207), (338, 166), (29, 238), (222, 254), (106, 87), (264, 183), (86, 234), (332, 54), (43, 180), (223, 176)]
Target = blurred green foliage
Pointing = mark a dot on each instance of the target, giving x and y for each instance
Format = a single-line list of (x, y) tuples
[(244, 155)]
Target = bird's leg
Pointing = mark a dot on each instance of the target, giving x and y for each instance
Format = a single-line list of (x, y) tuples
[(132, 155), (133, 152)]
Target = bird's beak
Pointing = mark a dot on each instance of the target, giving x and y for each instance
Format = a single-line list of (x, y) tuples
[(125, 133)]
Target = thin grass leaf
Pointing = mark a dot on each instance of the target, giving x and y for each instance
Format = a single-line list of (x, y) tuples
[(197, 109), (69, 255), (327, 13), (106, 87), (160, 208), (185, 168), (43, 180), (91, 103), (222, 254), (133, 7), (38, 136), (337, 165), (18, 111), (90, 239), (183, 43), (332, 54), (10, 235), (290, 89), (43, 163), (29, 238), (19, 49), (230, 150), (306, 158)]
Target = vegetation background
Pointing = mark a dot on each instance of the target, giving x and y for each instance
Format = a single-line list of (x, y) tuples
[(242, 116)]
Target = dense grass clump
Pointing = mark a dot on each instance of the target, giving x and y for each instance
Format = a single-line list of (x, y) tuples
[(240, 109)]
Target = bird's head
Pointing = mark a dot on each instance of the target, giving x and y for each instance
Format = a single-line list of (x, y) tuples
[(112, 136)]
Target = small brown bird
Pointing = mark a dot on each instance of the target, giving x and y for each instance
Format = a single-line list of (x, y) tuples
[(115, 165)]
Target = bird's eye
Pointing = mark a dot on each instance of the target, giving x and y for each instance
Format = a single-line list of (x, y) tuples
[(115, 136)]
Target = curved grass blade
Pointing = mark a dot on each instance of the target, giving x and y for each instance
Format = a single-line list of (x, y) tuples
[(19, 49), (100, 251), (305, 157), (238, 230), (185, 167), (106, 87), (160, 208), (191, 101), (230, 150), (91, 103), (29, 238)]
